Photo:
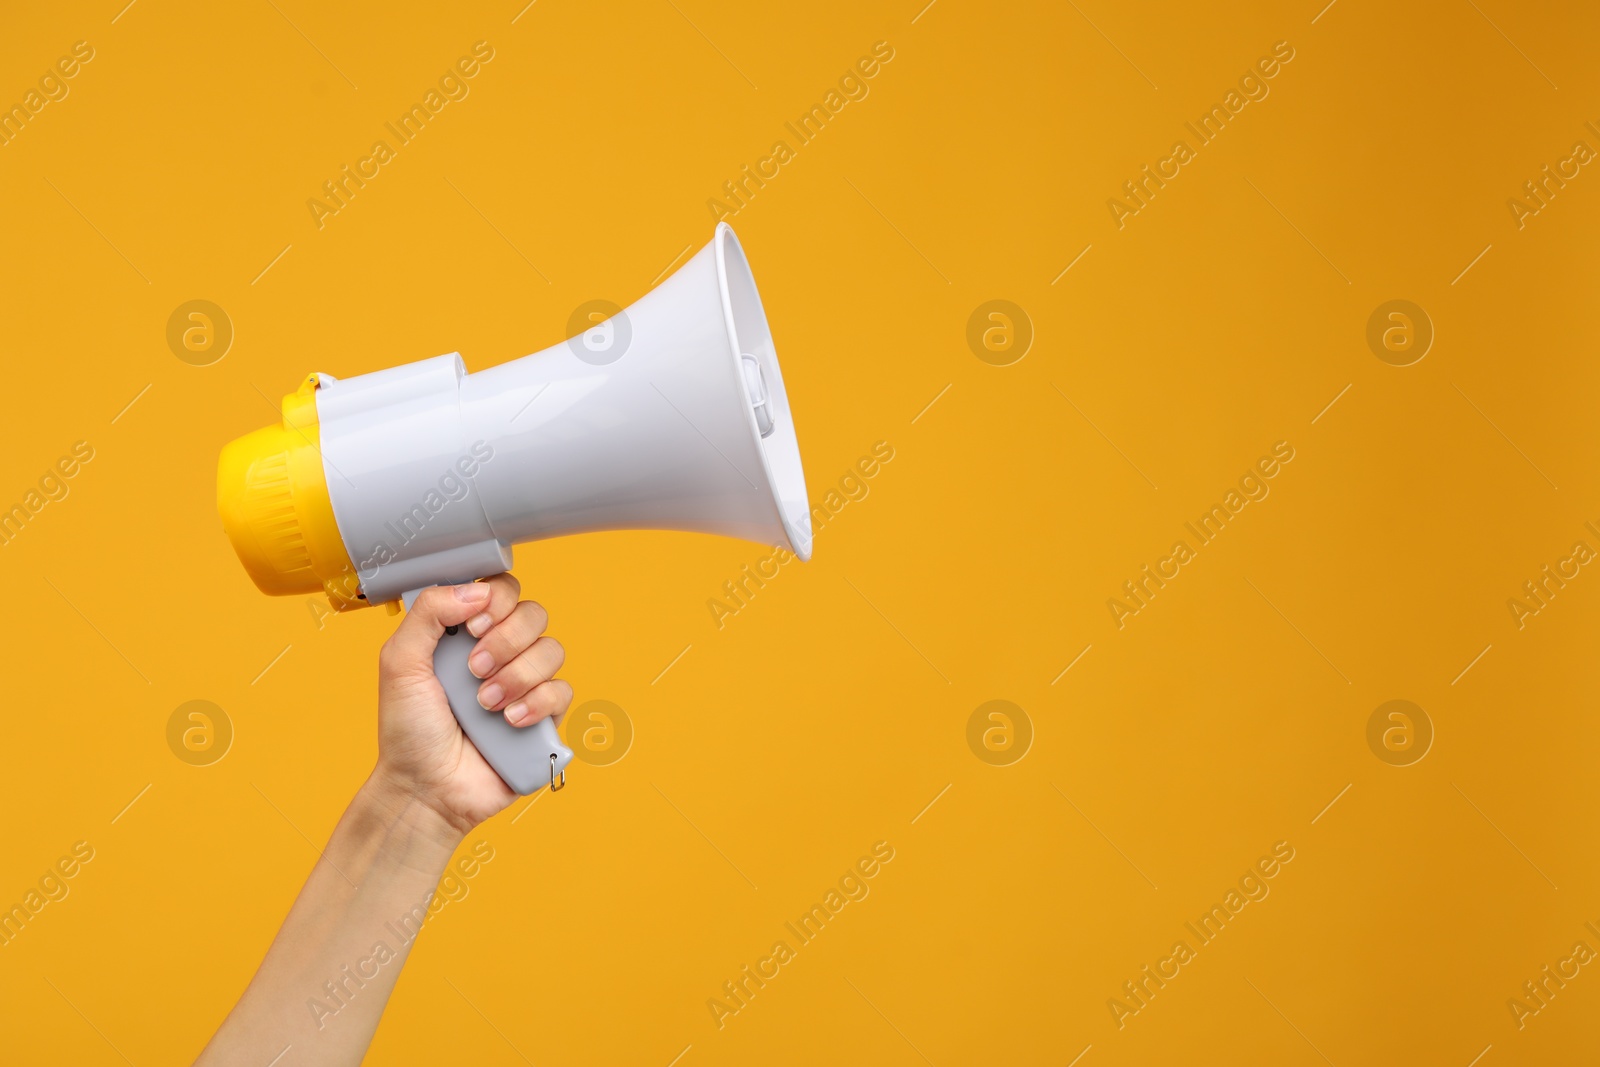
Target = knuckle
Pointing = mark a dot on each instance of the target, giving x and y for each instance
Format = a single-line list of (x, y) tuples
[(553, 651), (533, 615), (518, 631), (527, 672), (519, 676), (509, 637)]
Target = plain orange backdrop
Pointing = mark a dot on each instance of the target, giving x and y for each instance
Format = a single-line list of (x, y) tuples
[(826, 715)]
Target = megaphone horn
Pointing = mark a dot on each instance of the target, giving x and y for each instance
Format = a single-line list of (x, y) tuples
[(670, 415)]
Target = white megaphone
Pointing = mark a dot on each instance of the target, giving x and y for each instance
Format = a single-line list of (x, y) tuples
[(671, 415)]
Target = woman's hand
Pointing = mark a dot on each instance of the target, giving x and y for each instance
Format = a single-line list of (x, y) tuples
[(422, 753), (383, 862)]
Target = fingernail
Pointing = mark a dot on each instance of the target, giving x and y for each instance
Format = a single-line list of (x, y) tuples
[(490, 695), (478, 624), (472, 592), (481, 663), (516, 713)]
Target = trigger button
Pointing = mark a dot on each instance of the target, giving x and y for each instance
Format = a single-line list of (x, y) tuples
[(452, 630)]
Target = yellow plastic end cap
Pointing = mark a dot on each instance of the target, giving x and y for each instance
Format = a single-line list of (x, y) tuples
[(273, 499)]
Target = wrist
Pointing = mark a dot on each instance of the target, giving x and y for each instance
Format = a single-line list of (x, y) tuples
[(411, 822)]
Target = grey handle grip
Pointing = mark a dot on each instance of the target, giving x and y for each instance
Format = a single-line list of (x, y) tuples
[(528, 758)]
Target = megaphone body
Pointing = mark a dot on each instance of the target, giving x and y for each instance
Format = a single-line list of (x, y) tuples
[(670, 415)]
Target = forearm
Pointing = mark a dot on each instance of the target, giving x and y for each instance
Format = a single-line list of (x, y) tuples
[(328, 975)]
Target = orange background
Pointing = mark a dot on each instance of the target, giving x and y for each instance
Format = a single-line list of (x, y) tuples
[(828, 714)]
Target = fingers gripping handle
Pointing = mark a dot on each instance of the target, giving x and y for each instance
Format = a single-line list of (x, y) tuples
[(528, 758)]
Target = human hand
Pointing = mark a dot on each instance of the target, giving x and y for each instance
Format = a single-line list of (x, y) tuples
[(422, 753)]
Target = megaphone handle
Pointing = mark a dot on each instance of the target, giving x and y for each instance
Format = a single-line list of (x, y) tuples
[(528, 758)]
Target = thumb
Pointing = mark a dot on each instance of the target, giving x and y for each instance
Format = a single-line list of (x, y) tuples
[(410, 649)]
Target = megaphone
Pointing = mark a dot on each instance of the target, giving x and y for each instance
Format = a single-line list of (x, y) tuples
[(670, 415)]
